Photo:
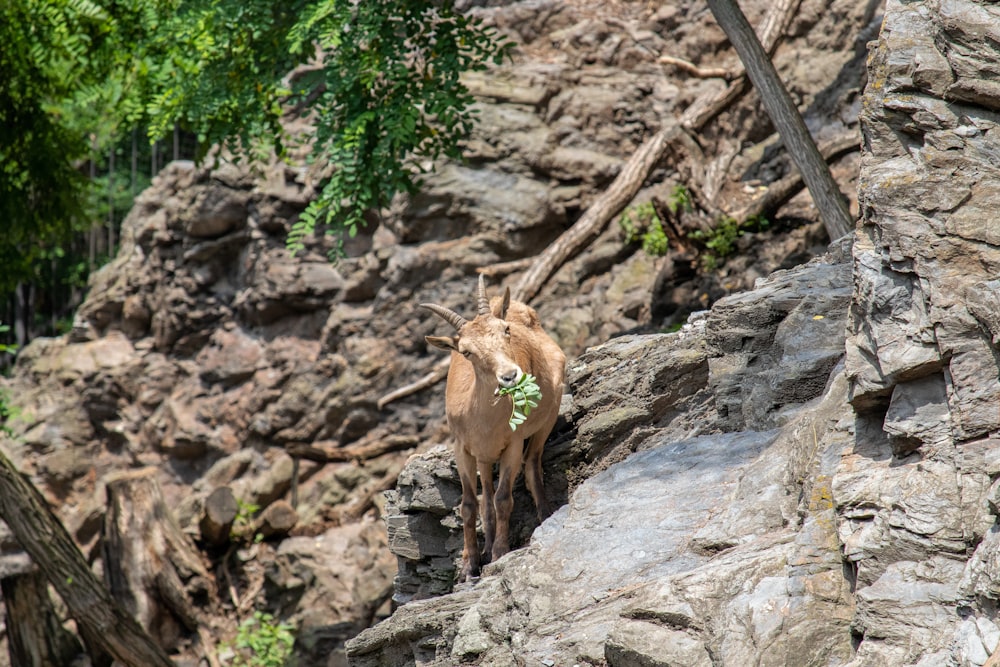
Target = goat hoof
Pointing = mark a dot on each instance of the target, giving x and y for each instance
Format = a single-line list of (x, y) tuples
[(468, 573)]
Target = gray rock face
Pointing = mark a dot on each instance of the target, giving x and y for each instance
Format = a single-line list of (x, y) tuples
[(779, 342), (851, 513), (921, 354), (711, 549)]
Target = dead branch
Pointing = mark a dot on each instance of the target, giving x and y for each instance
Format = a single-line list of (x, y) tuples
[(771, 27), (439, 373), (329, 452), (700, 72), (505, 268), (638, 167), (782, 190), (786, 118)]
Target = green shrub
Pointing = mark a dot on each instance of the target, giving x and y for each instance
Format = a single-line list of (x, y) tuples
[(641, 224), (720, 241), (261, 642)]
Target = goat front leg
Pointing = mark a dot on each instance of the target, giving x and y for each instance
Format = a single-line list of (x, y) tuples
[(486, 508), (470, 552), (510, 468)]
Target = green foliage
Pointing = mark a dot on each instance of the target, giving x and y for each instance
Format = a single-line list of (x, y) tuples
[(679, 200), (245, 513), (641, 223), (524, 396), (66, 75), (7, 411), (261, 642), (721, 240), (380, 78)]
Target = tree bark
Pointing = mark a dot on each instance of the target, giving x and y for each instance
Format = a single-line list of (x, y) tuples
[(149, 563), (786, 118), (35, 634), (50, 546)]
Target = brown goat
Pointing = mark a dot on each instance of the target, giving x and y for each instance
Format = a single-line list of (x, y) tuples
[(494, 350)]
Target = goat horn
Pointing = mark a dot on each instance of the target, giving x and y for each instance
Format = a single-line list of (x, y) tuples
[(449, 316), (484, 303)]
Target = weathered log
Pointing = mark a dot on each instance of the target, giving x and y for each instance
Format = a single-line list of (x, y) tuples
[(694, 70), (276, 520), (150, 565), (830, 202), (50, 546), (217, 517), (35, 633)]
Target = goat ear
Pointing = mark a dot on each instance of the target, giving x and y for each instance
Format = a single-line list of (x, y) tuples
[(505, 304), (443, 342)]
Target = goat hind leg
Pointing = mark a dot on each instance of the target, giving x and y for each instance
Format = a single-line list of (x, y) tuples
[(533, 473)]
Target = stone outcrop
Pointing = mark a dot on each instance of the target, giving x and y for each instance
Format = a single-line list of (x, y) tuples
[(922, 359)]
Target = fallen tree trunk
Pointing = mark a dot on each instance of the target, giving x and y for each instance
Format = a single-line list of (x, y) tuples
[(41, 534)]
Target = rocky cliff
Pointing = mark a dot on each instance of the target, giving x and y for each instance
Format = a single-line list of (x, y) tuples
[(735, 493), (821, 499)]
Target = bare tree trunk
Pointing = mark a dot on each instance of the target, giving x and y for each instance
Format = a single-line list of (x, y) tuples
[(786, 118), (21, 315), (51, 548), (637, 169), (150, 565), (35, 634)]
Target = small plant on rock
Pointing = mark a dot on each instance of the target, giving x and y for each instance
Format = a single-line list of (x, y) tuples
[(641, 224), (244, 519), (262, 642), (720, 241)]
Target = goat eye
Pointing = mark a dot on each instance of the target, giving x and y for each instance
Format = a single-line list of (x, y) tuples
[(466, 354), (506, 332)]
